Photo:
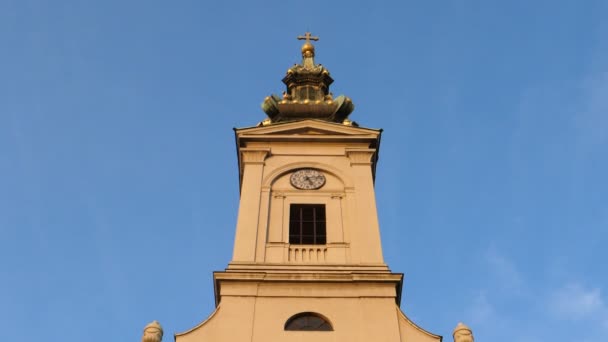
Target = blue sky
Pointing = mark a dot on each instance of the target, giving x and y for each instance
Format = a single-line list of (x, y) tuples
[(116, 125)]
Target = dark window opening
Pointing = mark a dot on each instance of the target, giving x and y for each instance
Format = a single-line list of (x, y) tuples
[(308, 321), (307, 224)]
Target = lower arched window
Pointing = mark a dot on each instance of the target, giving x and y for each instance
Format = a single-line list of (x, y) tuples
[(308, 321)]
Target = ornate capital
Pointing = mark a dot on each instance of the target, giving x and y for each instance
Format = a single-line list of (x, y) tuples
[(360, 156), (254, 155)]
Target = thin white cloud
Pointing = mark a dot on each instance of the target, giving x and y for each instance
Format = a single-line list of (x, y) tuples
[(482, 310), (575, 302), (504, 270), (593, 117)]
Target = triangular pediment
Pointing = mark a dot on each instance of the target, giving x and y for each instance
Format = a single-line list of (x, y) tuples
[(307, 128)]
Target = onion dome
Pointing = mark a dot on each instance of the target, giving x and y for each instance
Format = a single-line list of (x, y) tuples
[(307, 94)]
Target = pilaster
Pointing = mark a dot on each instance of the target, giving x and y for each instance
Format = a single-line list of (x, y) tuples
[(366, 245), (252, 160)]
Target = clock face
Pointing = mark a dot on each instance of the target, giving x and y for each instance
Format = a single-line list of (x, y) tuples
[(307, 179)]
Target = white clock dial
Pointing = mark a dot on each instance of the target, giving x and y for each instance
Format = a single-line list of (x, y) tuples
[(307, 179)]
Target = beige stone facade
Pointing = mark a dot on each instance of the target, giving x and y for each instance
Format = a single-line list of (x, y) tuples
[(344, 280)]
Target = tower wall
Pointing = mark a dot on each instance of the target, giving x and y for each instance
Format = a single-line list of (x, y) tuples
[(353, 235)]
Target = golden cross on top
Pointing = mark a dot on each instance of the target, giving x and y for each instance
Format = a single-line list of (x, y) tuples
[(308, 37)]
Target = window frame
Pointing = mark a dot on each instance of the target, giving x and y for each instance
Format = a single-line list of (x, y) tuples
[(303, 318), (307, 228)]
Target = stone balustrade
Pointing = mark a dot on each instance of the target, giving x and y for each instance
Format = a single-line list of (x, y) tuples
[(307, 253)]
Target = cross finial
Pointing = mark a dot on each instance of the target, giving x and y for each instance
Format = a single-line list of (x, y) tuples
[(308, 37)]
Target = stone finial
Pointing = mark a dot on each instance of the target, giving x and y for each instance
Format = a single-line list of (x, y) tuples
[(462, 333), (153, 332)]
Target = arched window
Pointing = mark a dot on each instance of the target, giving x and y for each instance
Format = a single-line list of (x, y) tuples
[(308, 321)]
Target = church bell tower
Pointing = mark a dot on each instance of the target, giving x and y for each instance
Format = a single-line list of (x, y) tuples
[(307, 263)]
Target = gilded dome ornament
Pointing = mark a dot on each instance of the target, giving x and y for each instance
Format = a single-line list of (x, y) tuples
[(307, 95), (308, 50)]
